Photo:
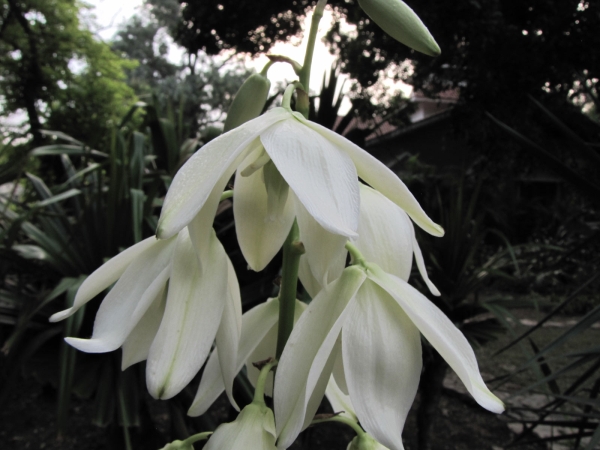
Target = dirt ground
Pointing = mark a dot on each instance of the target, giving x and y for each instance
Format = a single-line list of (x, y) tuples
[(27, 419)]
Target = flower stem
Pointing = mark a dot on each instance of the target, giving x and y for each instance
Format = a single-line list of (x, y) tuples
[(356, 256), (341, 419), (310, 49), (226, 194), (292, 250), (259, 392), (196, 438)]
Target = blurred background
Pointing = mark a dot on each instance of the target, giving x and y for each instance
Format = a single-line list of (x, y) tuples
[(499, 139)]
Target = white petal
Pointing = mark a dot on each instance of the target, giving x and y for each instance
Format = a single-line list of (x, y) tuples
[(256, 323), (381, 178), (441, 333), (421, 265), (252, 429), (385, 233), (104, 276), (137, 345), (200, 227), (192, 316), (339, 400), (323, 177), (128, 300), (196, 179), (260, 237), (325, 252), (310, 283), (307, 352), (267, 349), (228, 334), (338, 373), (382, 360)]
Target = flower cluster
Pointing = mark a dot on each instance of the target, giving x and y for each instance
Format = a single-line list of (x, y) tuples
[(358, 341)]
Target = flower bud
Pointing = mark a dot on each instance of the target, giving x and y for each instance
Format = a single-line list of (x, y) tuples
[(254, 428), (365, 442), (249, 101), (398, 20)]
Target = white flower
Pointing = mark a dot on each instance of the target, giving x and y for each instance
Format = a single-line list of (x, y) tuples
[(319, 166), (379, 317), (166, 308), (258, 341), (386, 236), (253, 428)]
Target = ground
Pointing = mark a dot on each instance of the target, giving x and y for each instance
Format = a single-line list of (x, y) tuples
[(27, 419)]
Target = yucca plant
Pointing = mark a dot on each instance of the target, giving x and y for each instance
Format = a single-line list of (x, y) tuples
[(462, 264), (571, 379), (105, 201)]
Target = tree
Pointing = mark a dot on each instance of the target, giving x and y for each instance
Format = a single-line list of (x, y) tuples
[(495, 53), (52, 67), (199, 87)]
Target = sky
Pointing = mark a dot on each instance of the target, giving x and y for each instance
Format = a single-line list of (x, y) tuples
[(109, 14)]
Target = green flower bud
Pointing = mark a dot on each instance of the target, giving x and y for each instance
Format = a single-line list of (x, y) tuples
[(249, 101), (365, 442), (398, 20)]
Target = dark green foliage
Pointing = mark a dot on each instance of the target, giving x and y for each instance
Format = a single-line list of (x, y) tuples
[(40, 40)]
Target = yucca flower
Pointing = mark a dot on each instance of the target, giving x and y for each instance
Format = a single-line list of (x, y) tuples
[(258, 341), (167, 308), (286, 165), (374, 319), (386, 236)]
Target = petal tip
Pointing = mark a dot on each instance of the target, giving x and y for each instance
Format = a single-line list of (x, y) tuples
[(62, 315)]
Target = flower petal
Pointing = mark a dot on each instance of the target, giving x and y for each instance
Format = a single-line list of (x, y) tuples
[(441, 333), (251, 429), (382, 360), (137, 345), (384, 233), (340, 402), (308, 280), (381, 178), (322, 176), (104, 276), (267, 349), (195, 181), (256, 323), (228, 334), (325, 252), (128, 300), (260, 236), (192, 316), (421, 265), (307, 353)]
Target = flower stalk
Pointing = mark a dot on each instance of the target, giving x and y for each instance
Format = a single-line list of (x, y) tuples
[(291, 248), (289, 282)]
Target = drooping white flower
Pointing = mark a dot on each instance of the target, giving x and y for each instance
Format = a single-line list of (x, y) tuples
[(277, 150), (258, 341), (167, 308), (386, 236), (379, 317)]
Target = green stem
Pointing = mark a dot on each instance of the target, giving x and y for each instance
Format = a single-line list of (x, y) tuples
[(197, 437), (356, 256), (310, 48), (292, 250), (226, 194), (266, 68), (259, 392), (341, 419)]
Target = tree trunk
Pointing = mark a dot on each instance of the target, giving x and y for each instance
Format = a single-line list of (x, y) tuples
[(432, 385)]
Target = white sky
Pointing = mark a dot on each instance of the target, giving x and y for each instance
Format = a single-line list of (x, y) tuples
[(109, 14)]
